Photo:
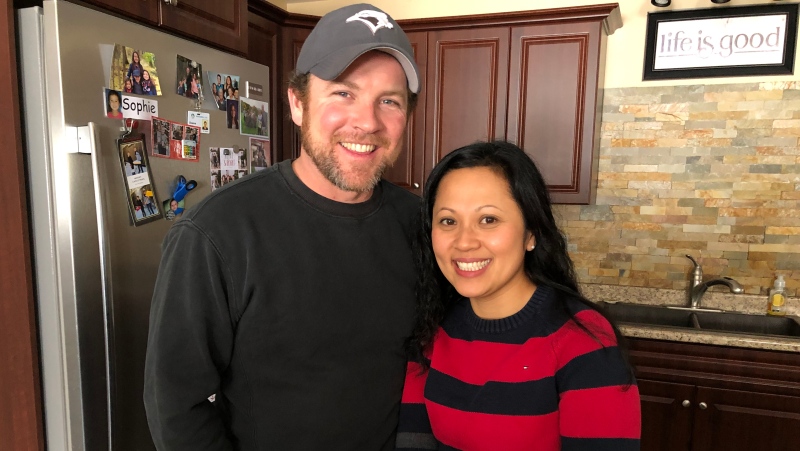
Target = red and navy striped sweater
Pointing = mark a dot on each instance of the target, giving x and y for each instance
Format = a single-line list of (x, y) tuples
[(532, 381)]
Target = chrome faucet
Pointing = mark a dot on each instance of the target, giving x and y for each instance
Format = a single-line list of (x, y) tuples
[(698, 288)]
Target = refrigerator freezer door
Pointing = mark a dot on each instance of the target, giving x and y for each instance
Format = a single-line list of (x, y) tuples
[(95, 272)]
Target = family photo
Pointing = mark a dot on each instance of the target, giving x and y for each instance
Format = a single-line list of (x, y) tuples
[(134, 72), (223, 88), (254, 116), (190, 78)]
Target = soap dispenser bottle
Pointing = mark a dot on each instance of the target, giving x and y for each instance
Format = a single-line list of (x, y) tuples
[(777, 297)]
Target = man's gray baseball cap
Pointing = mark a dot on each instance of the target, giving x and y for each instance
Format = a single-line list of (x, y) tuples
[(343, 35)]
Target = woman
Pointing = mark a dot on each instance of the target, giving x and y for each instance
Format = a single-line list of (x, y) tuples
[(135, 64), (228, 84), (506, 353)]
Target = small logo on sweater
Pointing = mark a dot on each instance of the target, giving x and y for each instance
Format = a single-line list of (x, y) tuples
[(375, 20)]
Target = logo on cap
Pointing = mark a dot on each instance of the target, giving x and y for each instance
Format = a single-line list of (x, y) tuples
[(375, 20)]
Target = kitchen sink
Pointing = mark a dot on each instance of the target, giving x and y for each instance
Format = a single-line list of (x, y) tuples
[(700, 319), (749, 324)]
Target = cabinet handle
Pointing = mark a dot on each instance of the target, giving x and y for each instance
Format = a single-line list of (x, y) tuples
[(703, 406), (171, 2), (416, 185), (686, 403)]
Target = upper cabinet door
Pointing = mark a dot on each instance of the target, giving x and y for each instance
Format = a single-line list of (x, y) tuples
[(553, 103), (145, 10), (221, 23), (467, 88), (407, 171)]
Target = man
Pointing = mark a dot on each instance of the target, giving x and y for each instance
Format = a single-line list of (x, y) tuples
[(289, 294), (137, 82)]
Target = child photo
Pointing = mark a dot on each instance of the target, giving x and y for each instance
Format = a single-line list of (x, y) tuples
[(134, 72), (190, 78), (254, 117), (113, 102)]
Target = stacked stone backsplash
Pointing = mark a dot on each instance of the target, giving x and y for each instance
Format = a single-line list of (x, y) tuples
[(707, 170)]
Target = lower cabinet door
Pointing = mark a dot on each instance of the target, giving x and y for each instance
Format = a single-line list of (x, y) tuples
[(738, 420), (666, 415)]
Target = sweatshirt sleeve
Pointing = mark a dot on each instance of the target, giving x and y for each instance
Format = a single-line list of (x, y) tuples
[(599, 407), (189, 343), (414, 427)]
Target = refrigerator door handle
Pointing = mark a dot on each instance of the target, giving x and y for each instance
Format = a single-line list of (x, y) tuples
[(88, 138)]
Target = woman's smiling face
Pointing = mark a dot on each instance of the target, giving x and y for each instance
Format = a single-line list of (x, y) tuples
[(479, 236)]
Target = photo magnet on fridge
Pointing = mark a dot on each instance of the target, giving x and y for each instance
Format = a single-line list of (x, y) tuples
[(143, 205), (223, 87), (228, 164), (134, 72), (254, 117), (190, 78)]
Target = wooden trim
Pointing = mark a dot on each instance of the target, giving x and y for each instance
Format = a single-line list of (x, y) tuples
[(609, 13), (20, 397)]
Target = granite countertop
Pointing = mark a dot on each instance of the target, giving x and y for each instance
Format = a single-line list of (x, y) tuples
[(741, 303)]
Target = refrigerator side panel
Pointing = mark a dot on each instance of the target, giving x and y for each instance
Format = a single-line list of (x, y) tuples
[(45, 147), (133, 252)]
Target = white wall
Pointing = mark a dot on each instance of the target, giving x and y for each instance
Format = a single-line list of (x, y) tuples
[(625, 54)]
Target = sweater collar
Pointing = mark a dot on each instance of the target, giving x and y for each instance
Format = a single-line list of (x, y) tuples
[(322, 203), (501, 325)]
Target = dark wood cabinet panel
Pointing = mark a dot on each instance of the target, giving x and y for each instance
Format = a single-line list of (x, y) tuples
[(666, 417), (222, 23), (732, 419), (292, 40), (263, 48), (143, 10), (408, 171), (467, 89), (739, 399), (553, 101)]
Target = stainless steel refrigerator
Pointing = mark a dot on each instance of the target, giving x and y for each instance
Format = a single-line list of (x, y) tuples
[(95, 270)]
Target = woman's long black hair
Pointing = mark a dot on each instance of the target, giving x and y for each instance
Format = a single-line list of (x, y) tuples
[(548, 264)]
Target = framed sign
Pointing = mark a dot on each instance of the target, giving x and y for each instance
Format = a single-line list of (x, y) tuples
[(721, 42)]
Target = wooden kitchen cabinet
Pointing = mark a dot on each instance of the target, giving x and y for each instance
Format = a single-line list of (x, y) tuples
[(222, 24), (534, 78), (554, 103), (292, 40), (705, 397), (666, 419), (408, 171)]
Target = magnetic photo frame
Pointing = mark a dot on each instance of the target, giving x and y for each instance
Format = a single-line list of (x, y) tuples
[(143, 204)]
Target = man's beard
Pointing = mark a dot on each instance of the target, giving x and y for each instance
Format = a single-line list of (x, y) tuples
[(324, 157)]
